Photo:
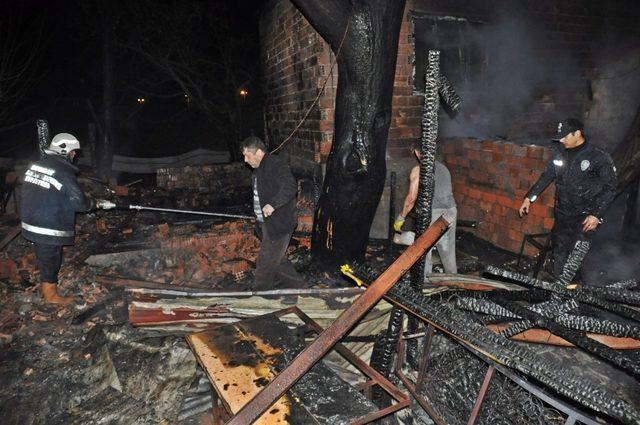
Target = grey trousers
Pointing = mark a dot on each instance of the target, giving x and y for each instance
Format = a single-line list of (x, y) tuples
[(446, 246), (273, 268)]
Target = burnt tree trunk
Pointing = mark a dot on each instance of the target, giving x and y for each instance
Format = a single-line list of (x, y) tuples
[(356, 168)]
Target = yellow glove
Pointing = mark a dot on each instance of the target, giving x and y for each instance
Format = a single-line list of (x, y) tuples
[(397, 225)]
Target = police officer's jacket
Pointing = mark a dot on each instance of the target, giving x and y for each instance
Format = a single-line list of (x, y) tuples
[(50, 198), (585, 181)]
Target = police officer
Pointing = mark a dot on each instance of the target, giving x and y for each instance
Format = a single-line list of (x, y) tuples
[(50, 198), (586, 182)]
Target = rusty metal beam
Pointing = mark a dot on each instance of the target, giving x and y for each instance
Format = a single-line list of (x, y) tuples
[(483, 392), (327, 339)]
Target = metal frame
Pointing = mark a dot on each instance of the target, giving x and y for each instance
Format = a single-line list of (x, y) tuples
[(573, 413), (374, 378), (543, 249), (339, 328)]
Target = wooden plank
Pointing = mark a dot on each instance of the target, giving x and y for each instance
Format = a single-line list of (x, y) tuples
[(242, 358), (236, 382)]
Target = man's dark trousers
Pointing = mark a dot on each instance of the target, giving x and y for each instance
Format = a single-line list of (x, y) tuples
[(273, 265)]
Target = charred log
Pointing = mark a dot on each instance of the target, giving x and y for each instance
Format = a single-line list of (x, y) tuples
[(424, 202), (578, 294), (624, 284), (577, 338), (600, 326), (427, 158), (43, 136), (384, 352), (574, 261)]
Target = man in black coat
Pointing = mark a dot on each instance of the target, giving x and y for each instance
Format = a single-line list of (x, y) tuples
[(585, 187), (274, 198), (50, 199)]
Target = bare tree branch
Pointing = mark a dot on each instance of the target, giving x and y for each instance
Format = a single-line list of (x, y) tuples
[(20, 46)]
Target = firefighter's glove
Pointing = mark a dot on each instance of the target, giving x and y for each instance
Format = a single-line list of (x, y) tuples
[(397, 225), (104, 204)]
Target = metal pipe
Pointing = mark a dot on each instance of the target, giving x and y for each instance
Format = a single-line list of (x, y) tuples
[(349, 317), (140, 207), (149, 287)]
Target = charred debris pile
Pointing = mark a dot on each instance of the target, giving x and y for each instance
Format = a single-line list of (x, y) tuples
[(149, 279)]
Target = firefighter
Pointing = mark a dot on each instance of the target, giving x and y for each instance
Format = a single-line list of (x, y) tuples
[(50, 198), (586, 183)]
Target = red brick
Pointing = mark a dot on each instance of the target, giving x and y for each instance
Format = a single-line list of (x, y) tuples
[(475, 194), (101, 226), (163, 229), (8, 268), (235, 266)]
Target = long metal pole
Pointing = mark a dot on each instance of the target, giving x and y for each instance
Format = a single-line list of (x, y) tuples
[(327, 339), (140, 207)]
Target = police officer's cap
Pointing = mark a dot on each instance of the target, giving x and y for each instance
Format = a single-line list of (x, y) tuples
[(567, 126)]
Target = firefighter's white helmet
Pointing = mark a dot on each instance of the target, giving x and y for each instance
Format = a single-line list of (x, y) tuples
[(62, 144)]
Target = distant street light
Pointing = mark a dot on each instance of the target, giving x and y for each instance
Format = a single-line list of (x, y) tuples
[(243, 96)]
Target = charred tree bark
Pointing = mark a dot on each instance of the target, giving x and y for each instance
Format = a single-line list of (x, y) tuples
[(356, 168), (43, 136)]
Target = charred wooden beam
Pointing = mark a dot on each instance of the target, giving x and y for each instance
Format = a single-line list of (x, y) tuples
[(577, 338), (578, 294), (42, 127), (458, 325), (599, 326), (624, 284), (574, 261)]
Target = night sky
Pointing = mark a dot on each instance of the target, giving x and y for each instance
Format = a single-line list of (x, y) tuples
[(66, 38)]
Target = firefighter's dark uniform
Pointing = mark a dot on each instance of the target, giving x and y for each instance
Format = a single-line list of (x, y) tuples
[(50, 198), (586, 182)]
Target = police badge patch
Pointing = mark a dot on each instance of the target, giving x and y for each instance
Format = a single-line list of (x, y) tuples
[(584, 164)]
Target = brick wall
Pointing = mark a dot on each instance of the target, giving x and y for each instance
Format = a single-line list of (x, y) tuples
[(207, 185), (406, 109), (296, 61), (490, 179), (207, 255)]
